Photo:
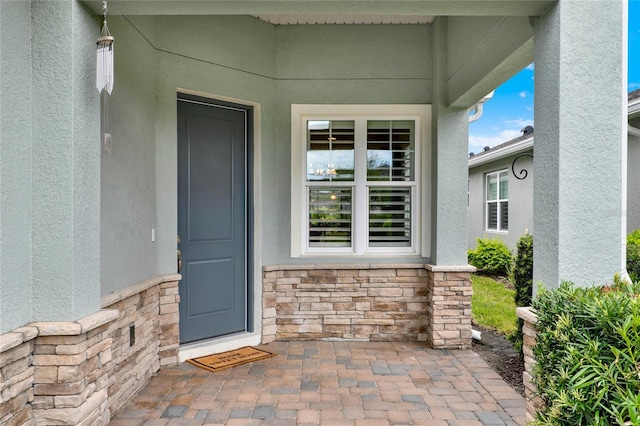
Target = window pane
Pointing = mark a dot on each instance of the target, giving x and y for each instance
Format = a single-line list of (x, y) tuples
[(390, 150), (389, 217), (329, 217), (504, 215), (504, 186), (492, 216), (492, 187), (330, 150)]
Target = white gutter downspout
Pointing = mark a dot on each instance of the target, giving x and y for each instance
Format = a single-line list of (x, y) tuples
[(478, 108), (477, 112)]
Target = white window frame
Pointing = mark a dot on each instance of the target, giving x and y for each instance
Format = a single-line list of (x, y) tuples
[(421, 188), (498, 202)]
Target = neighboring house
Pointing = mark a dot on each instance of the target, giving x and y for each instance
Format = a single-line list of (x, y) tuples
[(501, 201), (309, 156), (501, 185), (633, 155)]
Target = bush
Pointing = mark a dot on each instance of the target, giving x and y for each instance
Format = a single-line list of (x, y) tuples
[(522, 279), (523, 271), (491, 257), (633, 255), (588, 355)]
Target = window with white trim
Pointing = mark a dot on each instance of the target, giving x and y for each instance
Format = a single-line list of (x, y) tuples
[(355, 179), (497, 201)]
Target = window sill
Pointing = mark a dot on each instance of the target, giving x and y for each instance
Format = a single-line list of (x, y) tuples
[(350, 255)]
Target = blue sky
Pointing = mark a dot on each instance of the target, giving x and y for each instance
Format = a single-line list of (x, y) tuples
[(511, 107)]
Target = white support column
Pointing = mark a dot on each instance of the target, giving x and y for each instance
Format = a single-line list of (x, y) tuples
[(450, 140), (65, 206), (580, 145)]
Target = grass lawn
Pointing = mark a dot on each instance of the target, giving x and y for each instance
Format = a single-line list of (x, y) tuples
[(492, 305)]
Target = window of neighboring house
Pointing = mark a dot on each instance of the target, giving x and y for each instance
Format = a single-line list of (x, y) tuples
[(355, 179), (497, 206)]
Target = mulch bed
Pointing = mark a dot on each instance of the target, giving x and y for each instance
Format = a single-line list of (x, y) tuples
[(498, 353)]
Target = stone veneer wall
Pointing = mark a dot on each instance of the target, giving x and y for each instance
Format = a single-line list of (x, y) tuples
[(80, 372), (406, 302), (17, 376), (152, 309), (529, 330)]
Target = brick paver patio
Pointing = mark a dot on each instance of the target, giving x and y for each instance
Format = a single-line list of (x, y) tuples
[(332, 383)]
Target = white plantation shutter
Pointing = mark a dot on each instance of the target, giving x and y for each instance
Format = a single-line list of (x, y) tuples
[(390, 216), (390, 150), (390, 158), (504, 215)]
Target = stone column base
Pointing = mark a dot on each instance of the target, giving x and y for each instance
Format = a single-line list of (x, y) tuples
[(529, 330), (449, 306)]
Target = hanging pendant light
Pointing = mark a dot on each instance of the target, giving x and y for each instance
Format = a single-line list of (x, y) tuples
[(104, 68)]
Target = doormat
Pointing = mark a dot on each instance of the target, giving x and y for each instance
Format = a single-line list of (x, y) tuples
[(217, 362)]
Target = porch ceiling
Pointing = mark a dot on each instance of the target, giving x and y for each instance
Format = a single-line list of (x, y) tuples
[(324, 8)]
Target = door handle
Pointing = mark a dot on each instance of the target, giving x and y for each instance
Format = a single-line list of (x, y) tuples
[(179, 256)]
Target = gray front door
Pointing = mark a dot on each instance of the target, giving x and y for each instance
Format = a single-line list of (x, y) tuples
[(212, 219)]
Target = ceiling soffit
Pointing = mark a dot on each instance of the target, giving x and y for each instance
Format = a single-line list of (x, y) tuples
[(425, 9)]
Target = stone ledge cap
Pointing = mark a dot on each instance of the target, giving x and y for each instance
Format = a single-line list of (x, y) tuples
[(10, 340), (93, 321), (450, 268), (526, 313), (118, 295), (75, 328), (16, 337), (28, 332), (57, 328), (342, 266)]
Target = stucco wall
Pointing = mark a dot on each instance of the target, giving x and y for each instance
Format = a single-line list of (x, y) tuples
[(633, 182), (342, 64), (245, 59), (520, 201), (65, 207), (578, 190), (128, 173), (449, 147), (155, 57), (49, 262), (228, 57), (15, 174)]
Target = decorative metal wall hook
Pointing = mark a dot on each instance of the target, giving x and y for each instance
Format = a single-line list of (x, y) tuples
[(522, 175)]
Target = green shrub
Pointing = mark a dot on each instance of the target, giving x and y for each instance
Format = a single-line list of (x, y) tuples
[(491, 257), (587, 355), (633, 255), (522, 279)]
